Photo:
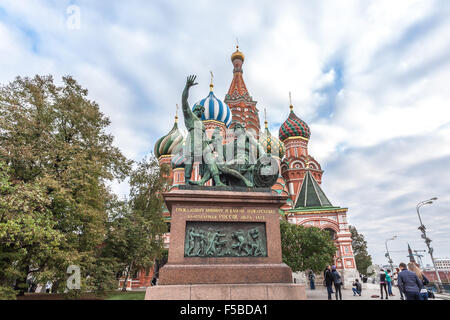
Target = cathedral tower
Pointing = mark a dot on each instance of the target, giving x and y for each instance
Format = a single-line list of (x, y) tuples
[(295, 134), (241, 103)]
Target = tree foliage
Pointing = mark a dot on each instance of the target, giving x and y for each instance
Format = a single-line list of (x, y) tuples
[(28, 237), (57, 163), (135, 237), (362, 257), (306, 248)]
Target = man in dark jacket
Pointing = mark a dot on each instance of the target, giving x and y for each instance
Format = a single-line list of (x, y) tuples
[(329, 281), (357, 287), (312, 278), (409, 283)]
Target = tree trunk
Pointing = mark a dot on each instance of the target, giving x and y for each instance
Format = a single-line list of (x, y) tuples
[(21, 283), (124, 287)]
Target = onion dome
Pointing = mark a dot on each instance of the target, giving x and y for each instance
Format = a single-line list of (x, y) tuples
[(294, 127), (237, 55), (215, 109), (178, 161), (168, 144), (271, 144)]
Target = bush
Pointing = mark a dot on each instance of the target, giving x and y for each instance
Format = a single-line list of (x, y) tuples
[(7, 293)]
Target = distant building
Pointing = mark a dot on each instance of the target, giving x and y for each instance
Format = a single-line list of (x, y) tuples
[(442, 264)]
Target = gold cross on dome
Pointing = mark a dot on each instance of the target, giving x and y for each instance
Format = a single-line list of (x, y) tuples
[(265, 117), (290, 102), (211, 86)]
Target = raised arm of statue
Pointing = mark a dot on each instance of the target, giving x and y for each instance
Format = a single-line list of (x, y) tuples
[(188, 115)]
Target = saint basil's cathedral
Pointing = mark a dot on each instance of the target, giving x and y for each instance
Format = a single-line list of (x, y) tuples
[(300, 178)]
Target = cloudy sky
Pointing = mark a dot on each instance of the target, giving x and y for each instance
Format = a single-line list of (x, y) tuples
[(371, 78)]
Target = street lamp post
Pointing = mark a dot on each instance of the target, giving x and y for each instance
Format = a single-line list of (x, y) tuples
[(422, 228), (387, 252)]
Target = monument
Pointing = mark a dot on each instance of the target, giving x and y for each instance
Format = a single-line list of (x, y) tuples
[(225, 236)]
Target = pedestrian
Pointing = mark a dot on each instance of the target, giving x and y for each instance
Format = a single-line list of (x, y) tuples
[(328, 281), (337, 280), (395, 278), (327, 268), (364, 279), (48, 286), (312, 278), (423, 295), (389, 282), (383, 283), (357, 288), (409, 283)]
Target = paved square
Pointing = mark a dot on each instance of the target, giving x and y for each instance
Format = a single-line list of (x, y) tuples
[(320, 293)]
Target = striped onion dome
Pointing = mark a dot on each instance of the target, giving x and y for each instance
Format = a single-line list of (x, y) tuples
[(294, 127), (178, 160), (170, 143), (271, 144), (215, 109)]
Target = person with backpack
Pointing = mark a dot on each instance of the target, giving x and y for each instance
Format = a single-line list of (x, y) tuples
[(357, 288), (337, 282), (409, 283), (389, 282), (423, 294), (383, 283), (328, 281), (312, 278)]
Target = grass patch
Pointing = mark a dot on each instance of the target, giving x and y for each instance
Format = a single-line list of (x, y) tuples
[(119, 295), (110, 295)]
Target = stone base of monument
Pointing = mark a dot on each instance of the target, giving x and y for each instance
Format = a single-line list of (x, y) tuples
[(225, 274), (256, 291), (225, 244)]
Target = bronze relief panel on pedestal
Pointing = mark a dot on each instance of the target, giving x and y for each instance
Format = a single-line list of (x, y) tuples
[(225, 239)]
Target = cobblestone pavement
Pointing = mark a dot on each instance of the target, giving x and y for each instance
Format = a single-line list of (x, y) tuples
[(320, 293)]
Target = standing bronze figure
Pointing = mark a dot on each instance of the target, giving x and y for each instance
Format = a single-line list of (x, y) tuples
[(197, 143)]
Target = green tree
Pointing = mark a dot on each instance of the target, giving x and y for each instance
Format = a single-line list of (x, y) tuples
[(136, 233), (305, 248), (28, 238), (362, 257), (53, 140)]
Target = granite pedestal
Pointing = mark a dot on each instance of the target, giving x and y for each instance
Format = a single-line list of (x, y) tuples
[(231, 273)]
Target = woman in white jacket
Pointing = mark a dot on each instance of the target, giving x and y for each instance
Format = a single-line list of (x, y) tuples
[(395, 278)]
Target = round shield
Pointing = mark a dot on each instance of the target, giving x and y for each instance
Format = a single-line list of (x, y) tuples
[(266, 172)]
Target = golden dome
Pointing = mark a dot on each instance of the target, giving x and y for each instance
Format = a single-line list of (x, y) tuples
[(237, 55)]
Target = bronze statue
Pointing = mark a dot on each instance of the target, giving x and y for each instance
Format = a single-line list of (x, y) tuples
[(197, 143), (246, 165)]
